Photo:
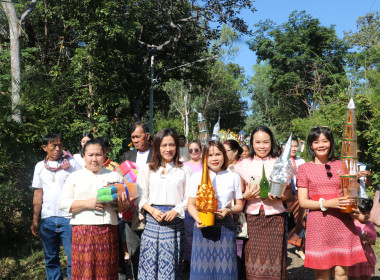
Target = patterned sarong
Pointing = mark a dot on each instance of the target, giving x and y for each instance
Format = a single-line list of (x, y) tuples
[(95, 252), (161, 248), (214, 252), (265, 251)]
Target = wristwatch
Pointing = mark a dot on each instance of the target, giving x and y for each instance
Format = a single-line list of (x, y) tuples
[(321, 204)]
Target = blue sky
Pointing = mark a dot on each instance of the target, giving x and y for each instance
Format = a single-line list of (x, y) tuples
[(340, 13)]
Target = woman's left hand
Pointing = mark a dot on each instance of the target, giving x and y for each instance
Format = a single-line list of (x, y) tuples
[(273, 197), (122, 203), (222, 213), (169, 215)]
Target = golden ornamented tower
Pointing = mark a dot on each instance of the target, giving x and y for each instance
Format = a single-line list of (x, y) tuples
[(349, 158)]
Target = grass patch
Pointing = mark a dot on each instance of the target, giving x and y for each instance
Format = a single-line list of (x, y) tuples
[(26, 262)]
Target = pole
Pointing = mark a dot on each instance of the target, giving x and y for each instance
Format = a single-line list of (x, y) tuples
[(151, 95)]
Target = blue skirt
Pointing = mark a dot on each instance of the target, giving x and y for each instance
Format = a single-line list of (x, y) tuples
[(213, 254), (161, 248)]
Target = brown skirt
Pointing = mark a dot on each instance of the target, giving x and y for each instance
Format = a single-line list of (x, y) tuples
[(265, 251), (300, 223), (95, 252)]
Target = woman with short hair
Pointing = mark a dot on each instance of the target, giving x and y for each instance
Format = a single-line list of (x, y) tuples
[(95, 243)]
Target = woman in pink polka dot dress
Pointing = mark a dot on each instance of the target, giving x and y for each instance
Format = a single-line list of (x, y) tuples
[(331, 242)]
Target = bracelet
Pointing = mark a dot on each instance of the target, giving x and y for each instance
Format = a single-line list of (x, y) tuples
[(321, 204), (230, 210)]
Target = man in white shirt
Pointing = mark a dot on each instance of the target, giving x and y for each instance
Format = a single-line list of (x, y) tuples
[(183, 149), (48, 179)]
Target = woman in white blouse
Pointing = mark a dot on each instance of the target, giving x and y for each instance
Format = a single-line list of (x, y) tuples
[(214, 248), (164, 197), (95, 248)]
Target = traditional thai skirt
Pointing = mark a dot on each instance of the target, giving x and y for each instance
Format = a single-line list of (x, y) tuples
[(297, 234), (214, 252), (265, 250), (95, 252), (161, 248)]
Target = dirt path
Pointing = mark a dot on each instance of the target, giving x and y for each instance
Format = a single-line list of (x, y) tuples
[(296, 270)]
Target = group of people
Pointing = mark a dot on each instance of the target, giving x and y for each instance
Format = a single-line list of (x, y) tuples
[(174, 238)]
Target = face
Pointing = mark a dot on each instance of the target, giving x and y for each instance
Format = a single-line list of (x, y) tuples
[(231, 154), (182, 142), (294, 149), (140, 139), (363, 218), (94, 157), (195, 152), (321, 147), (53, 149), (84, 140), (167, 149), (245, 152), (215, 159), (261, 144)]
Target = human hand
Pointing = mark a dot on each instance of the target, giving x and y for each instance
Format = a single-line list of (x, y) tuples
[(122, 203), (93, 203), (339, 203), (364, 173), (169, 215), (34, 228), (220, 214), (252, 191), (199, 223), (157, 215), (273, 197)]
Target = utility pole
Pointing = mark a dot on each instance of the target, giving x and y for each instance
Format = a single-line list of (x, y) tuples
[(151, 95)]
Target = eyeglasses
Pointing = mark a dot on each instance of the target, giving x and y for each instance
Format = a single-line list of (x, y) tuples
[(194, 151), (328, 169)]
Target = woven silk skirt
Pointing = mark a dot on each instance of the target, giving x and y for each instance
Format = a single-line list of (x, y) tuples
[(161, 248), (95, 252), (213, 254), (265, 250)]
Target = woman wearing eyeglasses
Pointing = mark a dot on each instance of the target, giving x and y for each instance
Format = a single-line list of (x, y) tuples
[(195, 152), (331, 243), (195, 164)]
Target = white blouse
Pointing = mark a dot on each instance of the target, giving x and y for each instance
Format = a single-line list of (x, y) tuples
[(227, 186), (165, 189), (84, 184)]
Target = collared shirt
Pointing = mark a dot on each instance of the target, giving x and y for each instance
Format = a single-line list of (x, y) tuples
[(170, 188), (227, 186), (254, 167), (79, 160), (141, 158), (84, 184), (52, 183)]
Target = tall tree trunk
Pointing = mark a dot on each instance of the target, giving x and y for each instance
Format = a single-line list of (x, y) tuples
[(15, 29), (15, 51), (91, 93)]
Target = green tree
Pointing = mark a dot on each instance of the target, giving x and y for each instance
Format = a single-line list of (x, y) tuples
[(306, 65)]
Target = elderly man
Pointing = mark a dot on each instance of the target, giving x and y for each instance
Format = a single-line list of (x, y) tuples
[(142, 154), (49, 177)]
